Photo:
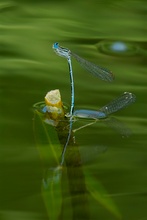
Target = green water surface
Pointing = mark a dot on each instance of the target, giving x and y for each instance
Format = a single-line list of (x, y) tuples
[(29, 68)]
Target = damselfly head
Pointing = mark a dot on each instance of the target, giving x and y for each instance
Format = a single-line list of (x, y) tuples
[(55, 45), (61, 51)]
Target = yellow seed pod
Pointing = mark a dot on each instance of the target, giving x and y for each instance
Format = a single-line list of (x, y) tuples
[(53, 98), (54, 104)]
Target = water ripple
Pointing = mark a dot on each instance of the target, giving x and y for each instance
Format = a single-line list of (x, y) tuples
[(118, 48)]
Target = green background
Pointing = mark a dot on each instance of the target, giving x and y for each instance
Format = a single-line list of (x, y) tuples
[(29, 68)]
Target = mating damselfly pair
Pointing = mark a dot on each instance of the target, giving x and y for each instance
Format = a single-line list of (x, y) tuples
[(104, 74)]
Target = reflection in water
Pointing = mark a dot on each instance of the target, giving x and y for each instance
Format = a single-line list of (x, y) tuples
[(63, 187), (68, 171), (120, 48), (28, 68)]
